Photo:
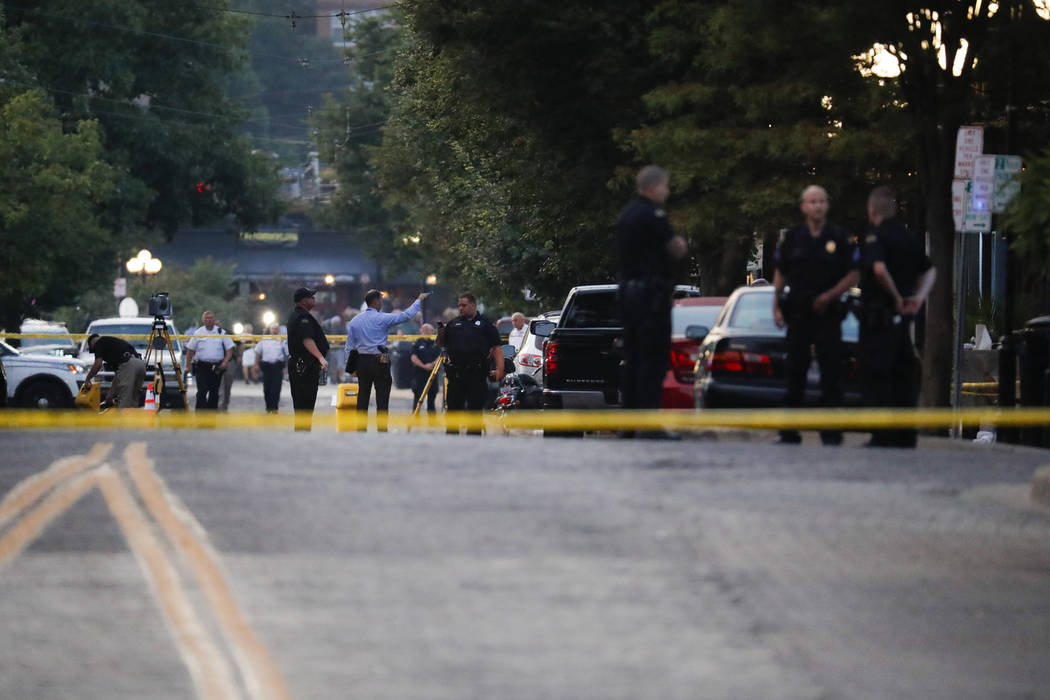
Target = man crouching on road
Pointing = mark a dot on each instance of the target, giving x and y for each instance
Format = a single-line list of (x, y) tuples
[(129, 370)]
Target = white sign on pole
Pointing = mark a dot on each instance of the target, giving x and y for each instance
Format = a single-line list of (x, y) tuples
[(120, 287), (959, 198), (1005, 182), (967, 218), (969, 143)]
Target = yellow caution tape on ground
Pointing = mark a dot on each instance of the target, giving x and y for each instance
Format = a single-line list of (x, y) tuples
[(550, 420)]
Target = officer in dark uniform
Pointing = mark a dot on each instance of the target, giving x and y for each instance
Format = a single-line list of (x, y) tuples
[(470, 340), (425, 353), (307, 350), (815, 265), (896, 278), (647, 250)]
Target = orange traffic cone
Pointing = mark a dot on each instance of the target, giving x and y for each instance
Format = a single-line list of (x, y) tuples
[(151, 398)]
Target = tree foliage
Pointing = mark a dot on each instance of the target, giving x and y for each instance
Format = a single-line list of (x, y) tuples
[(962, 62), (53, 189), (501, 143), (750, 111), (349, 128), (152, 75)]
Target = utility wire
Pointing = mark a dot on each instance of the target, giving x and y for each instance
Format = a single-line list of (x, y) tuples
[(264, 121), (171, 37)]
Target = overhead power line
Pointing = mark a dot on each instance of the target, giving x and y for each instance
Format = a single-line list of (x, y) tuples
[(299, 59)]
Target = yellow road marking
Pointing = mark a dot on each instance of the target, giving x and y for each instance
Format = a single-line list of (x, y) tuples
[(30, 489), (211, 673), (259, 670), (28, 527)]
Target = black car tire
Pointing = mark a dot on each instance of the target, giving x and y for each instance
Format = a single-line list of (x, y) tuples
[(43, 393)]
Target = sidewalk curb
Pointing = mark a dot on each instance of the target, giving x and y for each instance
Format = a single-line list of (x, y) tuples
[(1041, 485)]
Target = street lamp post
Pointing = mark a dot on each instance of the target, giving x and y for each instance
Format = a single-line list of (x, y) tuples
[(144, 264)]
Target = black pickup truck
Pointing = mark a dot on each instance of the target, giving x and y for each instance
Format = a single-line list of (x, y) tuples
[(583, 355)]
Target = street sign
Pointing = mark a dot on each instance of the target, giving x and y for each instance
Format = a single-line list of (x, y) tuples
[(969, 143), (968, 218), (120, 287), (995, 175)]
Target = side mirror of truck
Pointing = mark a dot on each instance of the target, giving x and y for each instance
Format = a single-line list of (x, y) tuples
[(541, 328)]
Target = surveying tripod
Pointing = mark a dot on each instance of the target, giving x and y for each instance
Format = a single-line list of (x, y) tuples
[(158, 339)]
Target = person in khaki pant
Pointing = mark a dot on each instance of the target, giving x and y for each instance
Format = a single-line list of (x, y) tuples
[(129, 370)]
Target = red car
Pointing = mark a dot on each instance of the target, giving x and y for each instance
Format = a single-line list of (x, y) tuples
[(688, 312)]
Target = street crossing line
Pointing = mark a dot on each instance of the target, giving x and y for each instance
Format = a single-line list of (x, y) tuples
[(38, 500)]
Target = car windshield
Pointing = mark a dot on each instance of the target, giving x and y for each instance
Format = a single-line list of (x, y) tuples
[(143, 329), (57, 340), (755, 312), (592, 310), (684, 316)]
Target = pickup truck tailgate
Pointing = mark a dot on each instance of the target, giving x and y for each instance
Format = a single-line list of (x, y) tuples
[(586, 360)]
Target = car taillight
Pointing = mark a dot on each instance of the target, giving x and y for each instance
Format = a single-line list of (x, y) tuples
[(531, 360), (550, 358), (682, 363), (740, 362)]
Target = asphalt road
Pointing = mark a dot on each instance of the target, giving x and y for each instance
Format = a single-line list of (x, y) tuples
[(178, 564)]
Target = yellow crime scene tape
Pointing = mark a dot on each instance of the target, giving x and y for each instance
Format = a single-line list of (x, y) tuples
[(232, 336), (550, 420)]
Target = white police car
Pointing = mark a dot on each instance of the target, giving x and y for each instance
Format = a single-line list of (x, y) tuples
[(41, 381)]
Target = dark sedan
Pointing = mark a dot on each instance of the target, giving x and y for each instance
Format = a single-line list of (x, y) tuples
[(743, 359)]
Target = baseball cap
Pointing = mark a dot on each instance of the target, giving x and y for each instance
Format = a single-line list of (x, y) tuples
[(303, 292)]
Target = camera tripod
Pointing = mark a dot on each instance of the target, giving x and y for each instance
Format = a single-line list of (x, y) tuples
[(159, 338), (430, 380)]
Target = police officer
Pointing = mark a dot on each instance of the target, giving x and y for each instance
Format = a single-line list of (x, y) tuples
[(815, 265), (647, 250), (307, 350), (470, 340), (208, 353), (896, 278), (425, 353)]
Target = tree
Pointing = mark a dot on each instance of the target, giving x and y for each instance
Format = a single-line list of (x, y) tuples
[(961, 62), (205, 285), (289, 73), (501, 147), (751, 111), (349, 127), (152, 75), (53, 189), (1028, 218)]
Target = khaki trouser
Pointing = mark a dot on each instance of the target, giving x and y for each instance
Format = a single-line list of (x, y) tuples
[(129, 377)]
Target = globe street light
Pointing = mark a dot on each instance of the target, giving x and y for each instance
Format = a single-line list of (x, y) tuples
[(144, 264)]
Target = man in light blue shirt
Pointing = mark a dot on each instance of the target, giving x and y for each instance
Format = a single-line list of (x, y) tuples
[(366, 334)]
